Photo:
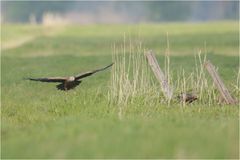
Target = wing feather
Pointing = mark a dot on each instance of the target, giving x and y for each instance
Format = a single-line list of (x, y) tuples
[(49, 79), (89, 73)]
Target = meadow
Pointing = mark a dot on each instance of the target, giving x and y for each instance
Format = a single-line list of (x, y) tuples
[(39, 121)]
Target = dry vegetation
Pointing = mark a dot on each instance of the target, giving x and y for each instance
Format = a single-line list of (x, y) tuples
[(133, 79)]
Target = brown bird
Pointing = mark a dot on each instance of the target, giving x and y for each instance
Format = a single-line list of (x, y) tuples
[(67, 83), (187, 97)]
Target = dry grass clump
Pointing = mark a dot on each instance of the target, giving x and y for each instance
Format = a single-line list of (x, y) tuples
[(131, 76), (132, 79)]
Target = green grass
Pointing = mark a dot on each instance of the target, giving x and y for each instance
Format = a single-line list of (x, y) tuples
[(38, 121)]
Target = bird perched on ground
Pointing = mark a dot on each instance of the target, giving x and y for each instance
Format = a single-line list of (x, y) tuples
[(67, 83), (187, 97)]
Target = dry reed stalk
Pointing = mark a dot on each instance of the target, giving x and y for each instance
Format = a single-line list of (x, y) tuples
[(167, 64)]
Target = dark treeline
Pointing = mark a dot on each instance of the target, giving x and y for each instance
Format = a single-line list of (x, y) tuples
[(155, 11)]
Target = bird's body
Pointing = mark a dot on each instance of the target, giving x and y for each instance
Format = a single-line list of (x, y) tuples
[(67, 83), (187, 97), (70, 83)]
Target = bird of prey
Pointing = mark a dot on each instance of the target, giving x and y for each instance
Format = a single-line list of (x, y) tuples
[(67, 83), (187, 97)]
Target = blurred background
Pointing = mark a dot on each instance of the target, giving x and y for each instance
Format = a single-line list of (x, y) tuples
[(117, 12)]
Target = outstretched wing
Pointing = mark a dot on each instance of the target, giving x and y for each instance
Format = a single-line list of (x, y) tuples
[(49, 79), (89, 73)]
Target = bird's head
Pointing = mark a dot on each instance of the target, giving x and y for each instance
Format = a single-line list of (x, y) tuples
[(71, 78)]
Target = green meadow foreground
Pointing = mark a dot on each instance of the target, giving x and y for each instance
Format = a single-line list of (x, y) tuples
[(39, 121)]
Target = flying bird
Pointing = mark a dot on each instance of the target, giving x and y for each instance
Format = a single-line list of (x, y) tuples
[(187, 97), (67, 83)]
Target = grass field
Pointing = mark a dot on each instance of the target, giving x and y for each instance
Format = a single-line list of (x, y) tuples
[(39, 121)]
